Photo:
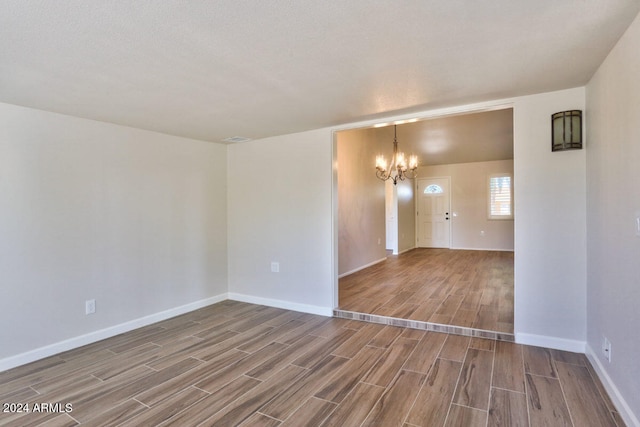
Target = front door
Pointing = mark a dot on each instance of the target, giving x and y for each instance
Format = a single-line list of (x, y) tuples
[(433, 213)]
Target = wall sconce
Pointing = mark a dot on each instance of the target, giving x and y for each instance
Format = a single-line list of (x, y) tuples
[(566, 130)]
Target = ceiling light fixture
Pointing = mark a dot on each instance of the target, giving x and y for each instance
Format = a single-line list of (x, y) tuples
[(398, 169)]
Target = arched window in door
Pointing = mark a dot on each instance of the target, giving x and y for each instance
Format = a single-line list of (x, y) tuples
[(433, 189)]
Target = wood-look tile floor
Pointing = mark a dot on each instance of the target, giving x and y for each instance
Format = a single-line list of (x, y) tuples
[(452, 287), (241, 364)]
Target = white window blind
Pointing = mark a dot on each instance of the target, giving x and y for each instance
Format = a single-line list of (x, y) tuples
[(500, 197)]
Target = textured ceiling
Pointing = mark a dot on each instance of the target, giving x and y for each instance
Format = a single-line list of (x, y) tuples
[(215, 69)]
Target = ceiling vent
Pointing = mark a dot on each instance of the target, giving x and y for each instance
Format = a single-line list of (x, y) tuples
[(236, 139)]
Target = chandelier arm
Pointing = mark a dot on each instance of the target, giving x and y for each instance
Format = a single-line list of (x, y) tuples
[(383, 175)]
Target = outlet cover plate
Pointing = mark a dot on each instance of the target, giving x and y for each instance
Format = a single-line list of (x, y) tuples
[(275, 267), (90, 306)]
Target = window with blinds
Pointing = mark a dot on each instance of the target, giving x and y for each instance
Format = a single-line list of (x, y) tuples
[(500, 196)]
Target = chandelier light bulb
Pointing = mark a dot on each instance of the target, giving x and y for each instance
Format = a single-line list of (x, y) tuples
[(381, 162), (401, 163), (413, 162)]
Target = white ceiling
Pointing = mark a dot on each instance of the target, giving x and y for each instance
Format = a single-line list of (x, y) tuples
[(215, 69)]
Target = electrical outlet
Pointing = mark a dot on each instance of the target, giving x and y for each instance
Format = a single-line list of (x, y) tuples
[(275, 267), (606, 349), (482, 233), (90, 306)]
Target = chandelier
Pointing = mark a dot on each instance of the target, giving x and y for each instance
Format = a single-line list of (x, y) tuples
[(398, 169)]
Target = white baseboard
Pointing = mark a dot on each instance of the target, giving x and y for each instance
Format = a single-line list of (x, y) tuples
[(616, 397), (551, 342), (482, 249), (360, 268), (91, 337), (406, 250), (305, 308)]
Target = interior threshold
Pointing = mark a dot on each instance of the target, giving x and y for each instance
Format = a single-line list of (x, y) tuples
[(425, 326)]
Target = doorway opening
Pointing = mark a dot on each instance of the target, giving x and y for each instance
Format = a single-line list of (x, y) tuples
[(427, 249)]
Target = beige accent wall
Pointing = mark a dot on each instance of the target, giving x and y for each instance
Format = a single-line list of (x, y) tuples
[(469, 195), (361, 209)]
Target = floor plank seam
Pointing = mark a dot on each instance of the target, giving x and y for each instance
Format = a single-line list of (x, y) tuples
[(71, 416), (453, 395), (382, 395), (201, 389), (415, 399), (542, 376), (99, 379), (151, 367), (493, 368), (524, 371), (566, 401), (142, 403), (507, 389), (268, 416), (470, 407)]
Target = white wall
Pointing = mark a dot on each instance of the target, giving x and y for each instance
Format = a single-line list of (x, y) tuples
[(280, 210), (613, 201), (469, 205), (285, 214), (134, 219), (550, 248)]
